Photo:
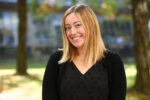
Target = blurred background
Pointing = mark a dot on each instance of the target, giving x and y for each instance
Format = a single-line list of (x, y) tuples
[(30, 31)]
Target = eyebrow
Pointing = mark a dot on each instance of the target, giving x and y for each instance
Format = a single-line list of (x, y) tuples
[(73, 23)]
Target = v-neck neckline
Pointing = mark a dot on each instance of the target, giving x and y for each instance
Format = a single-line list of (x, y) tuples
[(83, 74)]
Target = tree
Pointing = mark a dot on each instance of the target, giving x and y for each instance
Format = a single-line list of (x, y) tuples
[(22, 52), (140, 22)]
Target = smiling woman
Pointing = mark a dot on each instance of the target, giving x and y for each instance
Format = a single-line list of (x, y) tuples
[(75, 31), (84, 69)]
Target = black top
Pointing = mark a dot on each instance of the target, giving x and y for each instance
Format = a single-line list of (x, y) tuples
[(112, 62), (93, 85)]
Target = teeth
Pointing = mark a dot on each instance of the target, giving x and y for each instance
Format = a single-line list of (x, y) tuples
[(75, 38)]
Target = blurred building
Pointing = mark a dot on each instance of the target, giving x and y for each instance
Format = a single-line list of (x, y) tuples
[(44, 34)]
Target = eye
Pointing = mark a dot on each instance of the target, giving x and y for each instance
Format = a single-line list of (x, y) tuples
[(77, 25), (67, 28)]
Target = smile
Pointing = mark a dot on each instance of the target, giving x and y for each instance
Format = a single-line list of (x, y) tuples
[(75, 38)]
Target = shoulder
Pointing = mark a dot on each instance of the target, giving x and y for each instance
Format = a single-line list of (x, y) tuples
[(116, 76), (56, 56), (112, 59), (111, 55), (114, 64)]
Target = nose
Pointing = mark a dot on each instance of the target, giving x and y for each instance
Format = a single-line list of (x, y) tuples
[(73, 30)]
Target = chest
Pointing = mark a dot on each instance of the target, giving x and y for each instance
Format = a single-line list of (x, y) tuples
[(81, 66), (93, 82)]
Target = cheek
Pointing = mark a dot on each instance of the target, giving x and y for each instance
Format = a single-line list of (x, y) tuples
[(68, 37), (84, 34)]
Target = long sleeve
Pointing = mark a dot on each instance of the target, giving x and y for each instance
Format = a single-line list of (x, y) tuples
[(49, 86), (118, 79)]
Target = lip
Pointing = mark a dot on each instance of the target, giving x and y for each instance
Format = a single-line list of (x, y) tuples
[(76, 38)]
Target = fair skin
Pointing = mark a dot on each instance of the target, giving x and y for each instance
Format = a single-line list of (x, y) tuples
[(76, 36)]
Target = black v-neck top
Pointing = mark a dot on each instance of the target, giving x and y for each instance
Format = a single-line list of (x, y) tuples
[(54, 72), (93, 85)]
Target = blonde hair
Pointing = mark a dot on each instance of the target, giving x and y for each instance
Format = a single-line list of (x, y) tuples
[(93, 46)]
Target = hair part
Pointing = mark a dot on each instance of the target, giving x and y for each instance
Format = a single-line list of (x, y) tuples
[(94, 47)]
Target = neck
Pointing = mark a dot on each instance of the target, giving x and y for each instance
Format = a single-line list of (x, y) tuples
[(80, 54), (79, 51)]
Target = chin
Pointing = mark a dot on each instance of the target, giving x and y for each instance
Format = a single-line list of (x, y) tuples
[(78, 46)]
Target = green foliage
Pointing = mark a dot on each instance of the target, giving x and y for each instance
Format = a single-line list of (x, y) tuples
[(93, 4), (112, 4), (122, 18), (74, 2), (107, 8), (33, 6), (125, 4), (43, 9)]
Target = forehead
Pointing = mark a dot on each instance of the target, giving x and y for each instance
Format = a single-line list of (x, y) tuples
[(72, 18)]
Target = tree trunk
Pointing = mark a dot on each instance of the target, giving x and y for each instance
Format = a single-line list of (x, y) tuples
[(22, 51), (140, 22)]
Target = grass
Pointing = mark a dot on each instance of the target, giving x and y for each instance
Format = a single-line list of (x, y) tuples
[(130, 74), (17, 87), (29, 87)]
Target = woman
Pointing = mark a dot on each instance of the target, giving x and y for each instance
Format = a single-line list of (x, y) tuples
[(83, 69)]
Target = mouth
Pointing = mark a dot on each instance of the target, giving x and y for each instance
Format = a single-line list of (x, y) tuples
[(76, 38)]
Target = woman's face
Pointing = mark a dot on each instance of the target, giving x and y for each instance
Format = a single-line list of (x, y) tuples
[(74, 30)]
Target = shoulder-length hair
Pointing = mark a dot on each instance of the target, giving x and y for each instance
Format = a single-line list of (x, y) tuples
[(93, 45)]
